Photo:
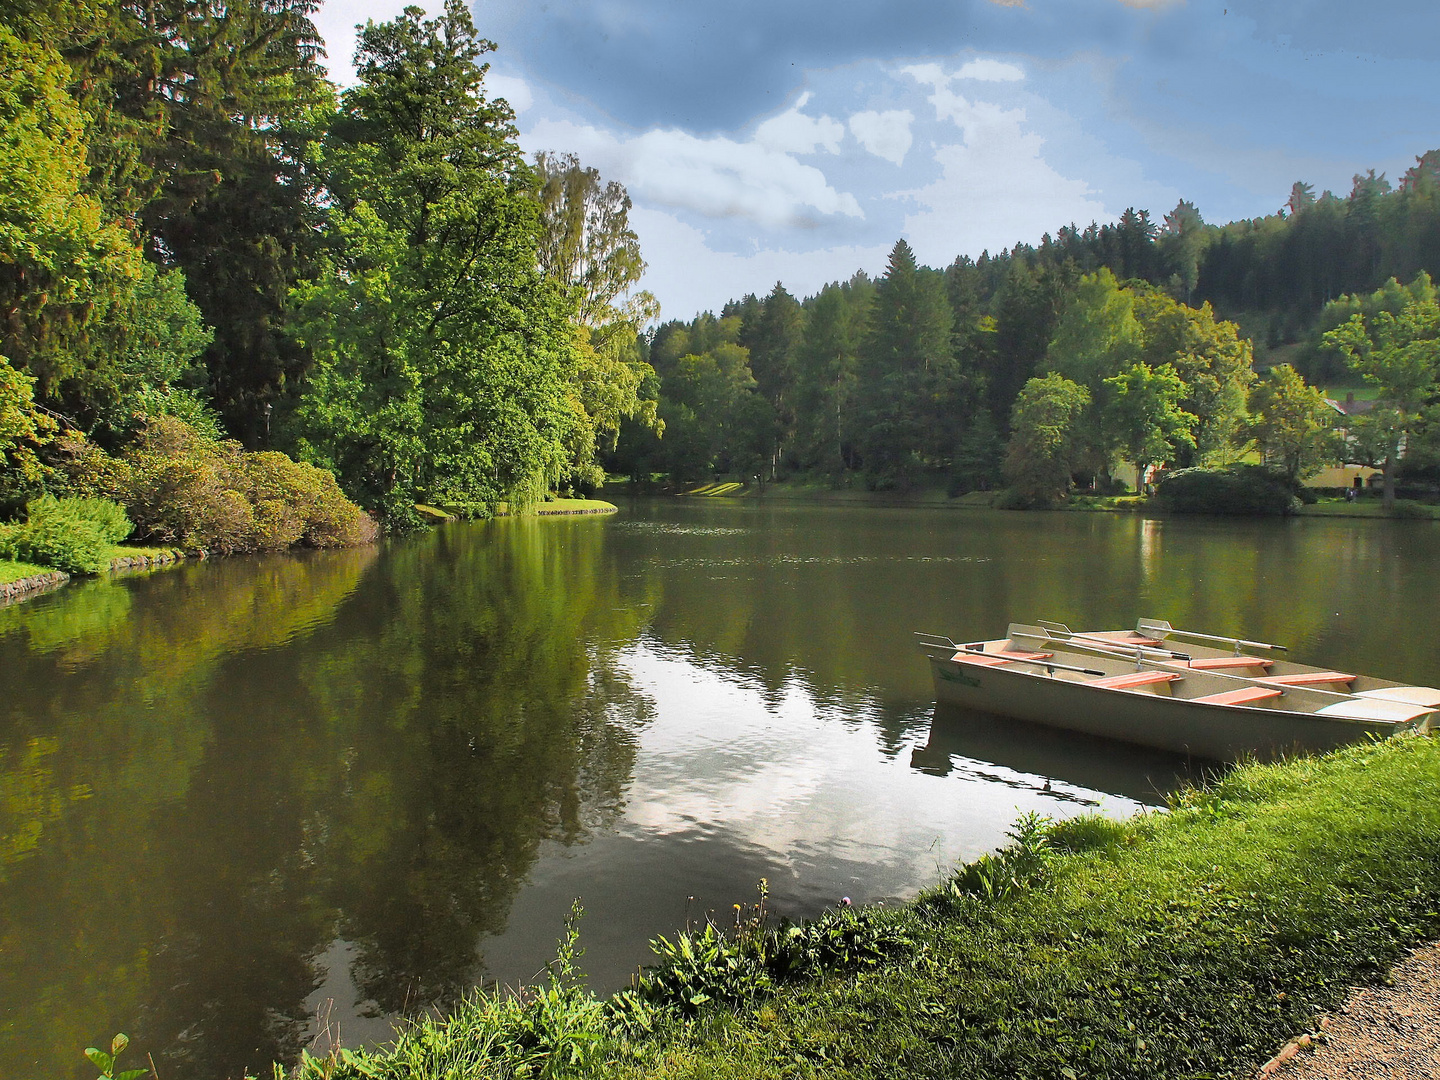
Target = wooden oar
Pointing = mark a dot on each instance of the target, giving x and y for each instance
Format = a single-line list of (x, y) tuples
[(1162, 629), (1129, 648)]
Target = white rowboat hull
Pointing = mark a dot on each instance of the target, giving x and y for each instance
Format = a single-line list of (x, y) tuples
[(1199, 729)]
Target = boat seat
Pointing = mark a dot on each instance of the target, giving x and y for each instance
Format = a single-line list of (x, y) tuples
[(1215, 663), (1243, 696), (1132, 679), (1310, 678), (995, 659)]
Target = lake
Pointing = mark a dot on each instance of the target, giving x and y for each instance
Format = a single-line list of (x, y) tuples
[(250, 804)]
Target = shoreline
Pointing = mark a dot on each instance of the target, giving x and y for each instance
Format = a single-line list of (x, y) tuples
[(27, 588), (936, 499), (1194, 941)]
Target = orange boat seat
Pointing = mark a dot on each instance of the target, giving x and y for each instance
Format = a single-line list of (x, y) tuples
[(1215, 663), (1310, 678), (995, 659), (1132, 679), (1243, 696)]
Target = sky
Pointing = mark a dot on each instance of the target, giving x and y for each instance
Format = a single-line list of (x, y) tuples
[(797, 140)]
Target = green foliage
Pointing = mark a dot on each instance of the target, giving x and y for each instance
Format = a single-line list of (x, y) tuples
[(1144, 417), (1022, 864), (105, 516), (726, 966), (906, 374), (106, 1062), (62, 261), (184, 488), (587, 246), (1215, 366), (24, 431), (1398, 352), (1291, 424), (555, 1030), (1045, 442), (442, 359), (1238, 489), (1098, 335), (73, 535)]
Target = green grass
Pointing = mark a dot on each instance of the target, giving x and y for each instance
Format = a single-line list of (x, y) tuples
[(1186, 944), (575, 506), (11, 570), (15, 571), (1369, 507)]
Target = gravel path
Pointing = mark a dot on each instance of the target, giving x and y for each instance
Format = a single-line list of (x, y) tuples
[(1385, 1032)]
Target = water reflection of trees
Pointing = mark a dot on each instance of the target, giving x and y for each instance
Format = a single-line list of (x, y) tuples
[(385, 779)]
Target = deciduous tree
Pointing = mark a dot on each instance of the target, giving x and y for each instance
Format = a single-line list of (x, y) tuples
[(1044, 448), (1290, 422), (1144, 416), (1399, 354), (442, 356)]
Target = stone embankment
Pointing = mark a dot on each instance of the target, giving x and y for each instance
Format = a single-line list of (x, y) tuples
[(142, 562), (38, 584), (32, 586)]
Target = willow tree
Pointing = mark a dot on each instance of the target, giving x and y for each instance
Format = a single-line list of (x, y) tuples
[(442, 356)]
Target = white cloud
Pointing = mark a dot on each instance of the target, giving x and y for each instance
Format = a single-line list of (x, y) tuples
[(336, 20), (995, 188), (884, 134), (688, 276), (792, 132), (716, 177), (988, 70), (514, 90)]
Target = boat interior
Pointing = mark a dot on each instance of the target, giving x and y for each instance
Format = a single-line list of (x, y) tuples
[(1131, 662)]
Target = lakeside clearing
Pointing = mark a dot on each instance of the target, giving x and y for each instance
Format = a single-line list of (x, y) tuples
[(1192, 943)]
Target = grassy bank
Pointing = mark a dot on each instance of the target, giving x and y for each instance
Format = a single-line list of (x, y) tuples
[(1185, 944), (10, 570)]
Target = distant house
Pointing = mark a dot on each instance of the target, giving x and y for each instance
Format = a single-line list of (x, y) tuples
[(1347, 473)]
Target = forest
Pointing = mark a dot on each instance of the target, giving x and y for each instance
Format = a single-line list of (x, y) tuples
[(227, 286), (1146, 342), (243, 304)]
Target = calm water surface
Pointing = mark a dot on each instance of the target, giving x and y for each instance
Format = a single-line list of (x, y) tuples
[(243, 799)]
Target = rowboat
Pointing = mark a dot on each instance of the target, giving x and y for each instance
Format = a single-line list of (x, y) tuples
[(1129, 686), (1162, 643)]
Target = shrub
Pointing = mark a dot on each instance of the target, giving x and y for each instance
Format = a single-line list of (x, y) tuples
[(1239, 489), (72, 545), (183, 487), (74, 535), (106, 516), (1410, 511), (298, 503)]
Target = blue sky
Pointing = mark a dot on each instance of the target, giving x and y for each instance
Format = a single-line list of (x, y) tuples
[(796, 140)]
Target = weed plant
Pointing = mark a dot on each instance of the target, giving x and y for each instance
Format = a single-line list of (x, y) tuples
[(1185, 944)]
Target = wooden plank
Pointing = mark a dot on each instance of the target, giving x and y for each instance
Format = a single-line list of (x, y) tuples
[(1310, 678), (1213, 663), (1240, 697), (1134, 678), (995, 659)]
